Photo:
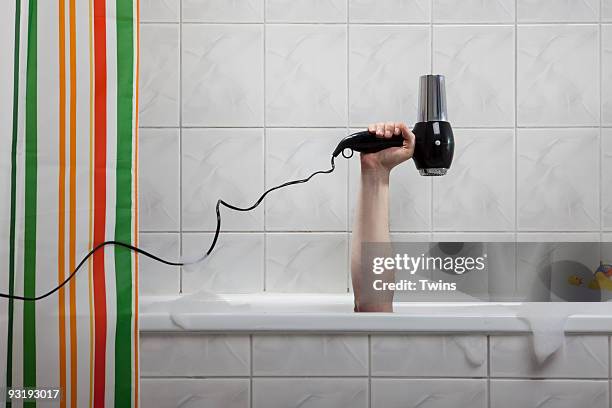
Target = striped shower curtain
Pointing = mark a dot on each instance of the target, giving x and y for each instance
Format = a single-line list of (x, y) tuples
[(68, 166)]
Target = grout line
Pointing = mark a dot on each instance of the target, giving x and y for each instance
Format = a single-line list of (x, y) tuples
[(600, 175), (489, 371), (251, 370), (515, 139), (348, 165), (359, 126), (180, 99), (395, 377), (448, 232), (265, 146), (370, 370), (365, 23)]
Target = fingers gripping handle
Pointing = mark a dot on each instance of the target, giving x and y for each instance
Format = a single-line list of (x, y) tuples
[(366, 142)]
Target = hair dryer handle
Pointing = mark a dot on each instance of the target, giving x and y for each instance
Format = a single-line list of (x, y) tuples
[(366, 142)]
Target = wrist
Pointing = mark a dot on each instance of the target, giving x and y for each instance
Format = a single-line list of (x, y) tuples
[(374, 174)]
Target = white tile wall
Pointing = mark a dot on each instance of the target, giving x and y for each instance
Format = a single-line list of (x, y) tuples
[(389, 11), (553, 10), (306, 11), (579, 357), (431, 393), (306, 75), (552, 393), (159, 98), (479, 64), (552, 89), (411, 356), (606, 175), (310, 355), (396, 371), (157, 278), (606, 74), (190, 354), (312, 393), (159, 180), (381, 58), (295, 154), (306, 262), (236, 96), (225, 270), (222, 75), (215, 11), (201, 393), (473, 11), (474, 196), (555, 186)]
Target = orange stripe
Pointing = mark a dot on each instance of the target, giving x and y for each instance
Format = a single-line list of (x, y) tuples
[(61, 264), (135, 288), (72, 248), (90, 263)]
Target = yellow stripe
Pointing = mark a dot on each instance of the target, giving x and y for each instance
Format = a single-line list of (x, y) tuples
[(72, 248), (62, 198)]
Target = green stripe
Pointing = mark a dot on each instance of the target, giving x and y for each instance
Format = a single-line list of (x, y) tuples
[(9, 349), (29, 261), (123, 223)]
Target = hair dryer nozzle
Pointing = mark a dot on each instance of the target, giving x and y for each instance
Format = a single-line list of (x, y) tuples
[(432, 99)]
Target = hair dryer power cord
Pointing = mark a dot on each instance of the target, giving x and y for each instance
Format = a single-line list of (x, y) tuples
[(159, 259)]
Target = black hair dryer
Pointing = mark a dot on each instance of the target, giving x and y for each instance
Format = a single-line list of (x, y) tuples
[(434, 144)]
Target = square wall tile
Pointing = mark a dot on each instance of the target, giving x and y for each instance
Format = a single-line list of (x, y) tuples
[(606, 178), (471, 196), (478, 62), (223, 11), (310, 392), (409, 197), (159, 75), (473, 11), (320, 204), (389, 11), (579, 357), (310, 355), (155, 11), (193, 354), (191, 392), (236, 265), (222, 164), (385, 63), (312, 263), (159, 186), (557, 179), (431, 393), (606, 74), (306, 75), (306, 11), (552, 89), (552, 393), (606, 10), (157, 278), (411, 356), (557, 11), (222, 75)]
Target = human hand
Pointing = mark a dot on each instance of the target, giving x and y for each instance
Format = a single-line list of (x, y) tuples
[(386, 159)]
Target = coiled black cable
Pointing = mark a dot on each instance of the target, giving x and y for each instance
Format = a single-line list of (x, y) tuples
[(157, 258)]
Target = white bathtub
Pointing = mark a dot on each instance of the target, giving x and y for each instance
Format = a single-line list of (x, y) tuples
[(334, 313)]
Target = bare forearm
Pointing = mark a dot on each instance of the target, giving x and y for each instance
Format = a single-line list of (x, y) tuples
[(371, 225)]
